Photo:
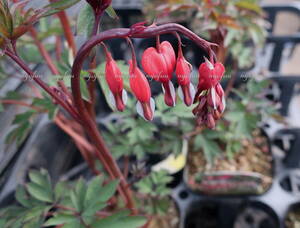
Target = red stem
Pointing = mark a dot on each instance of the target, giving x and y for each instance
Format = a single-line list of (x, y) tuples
[(134, 62), (85, 148), (43, 52), (97, 22), (158, 43), (48, 60), (67, 31), (44, 86), (107, 53), (15, 102), (58, 48), (180, 53)]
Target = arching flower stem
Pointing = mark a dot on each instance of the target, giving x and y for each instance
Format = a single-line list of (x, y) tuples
[(158, 43), (180, 53)]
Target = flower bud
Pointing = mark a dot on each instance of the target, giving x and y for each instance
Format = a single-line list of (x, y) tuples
[(186, 90), (210, 122), (114, 80), (211, 106), (141, 90)]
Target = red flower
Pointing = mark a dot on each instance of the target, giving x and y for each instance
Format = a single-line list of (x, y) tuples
[(210, 94), (159, 64), (141, 89), (210, 74), (114, 80), (183, 71)]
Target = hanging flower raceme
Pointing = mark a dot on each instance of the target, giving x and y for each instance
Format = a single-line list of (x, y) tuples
[(186, 90), (211, 95), (159, 64), (141, 89), (113, 76)]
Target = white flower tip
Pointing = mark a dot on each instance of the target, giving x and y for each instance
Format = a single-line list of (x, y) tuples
[(140, 110), (208, 64)]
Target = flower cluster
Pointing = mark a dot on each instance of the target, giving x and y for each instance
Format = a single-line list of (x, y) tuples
[(211, 95), (160, 63)]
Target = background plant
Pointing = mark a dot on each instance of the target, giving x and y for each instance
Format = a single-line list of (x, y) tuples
[(232, 24)]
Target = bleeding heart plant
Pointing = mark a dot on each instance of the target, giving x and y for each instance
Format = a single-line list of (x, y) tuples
[(159, 63)]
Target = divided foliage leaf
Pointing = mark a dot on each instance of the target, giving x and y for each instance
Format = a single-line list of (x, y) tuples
[(75, 208)]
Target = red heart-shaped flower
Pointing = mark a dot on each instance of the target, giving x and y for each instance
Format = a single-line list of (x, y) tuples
[(210, 74), (159, 64)]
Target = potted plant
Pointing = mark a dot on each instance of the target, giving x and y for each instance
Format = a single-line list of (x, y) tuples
[(235, 158)]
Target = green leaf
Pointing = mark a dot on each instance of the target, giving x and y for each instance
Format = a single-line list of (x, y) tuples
[(93, 190), (61, 190), (36, 222), (30, 53), (209, 147), (124, 222), (22, 197), (108, 191), (41, 178), (120, 219), (12, 95), (19, 133), (249, 5), (111, 12), (39, 192), (1, 107), (46, 103), (230, 36), (85, 21), (257, 33), (83, 85), (74, 224), (35, 213), (60, 219), (23, 117), (78, 195), (93, 202), (58, 6), (2, 222)]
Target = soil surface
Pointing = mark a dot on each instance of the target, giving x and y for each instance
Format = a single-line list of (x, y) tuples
[(253, 157), (171, 220)]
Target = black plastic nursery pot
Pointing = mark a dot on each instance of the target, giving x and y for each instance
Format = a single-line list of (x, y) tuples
[(210, 211), (237, 176)]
